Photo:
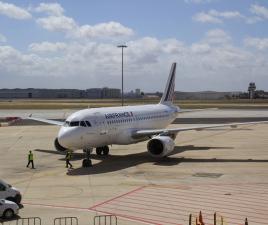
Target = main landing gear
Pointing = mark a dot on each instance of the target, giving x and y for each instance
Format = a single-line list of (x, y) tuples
[(102, 150)]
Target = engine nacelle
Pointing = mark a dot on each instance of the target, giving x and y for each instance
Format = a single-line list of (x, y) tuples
[(58, 147), (126, 138), (160, 146)]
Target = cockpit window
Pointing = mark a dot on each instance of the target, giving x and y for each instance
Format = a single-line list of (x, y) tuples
[(83, 124), (74, 124), (77, 124)]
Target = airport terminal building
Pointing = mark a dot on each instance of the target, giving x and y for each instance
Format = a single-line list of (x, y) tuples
[(60, 93)]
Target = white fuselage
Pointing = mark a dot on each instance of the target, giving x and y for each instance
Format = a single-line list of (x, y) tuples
[(98, 127)]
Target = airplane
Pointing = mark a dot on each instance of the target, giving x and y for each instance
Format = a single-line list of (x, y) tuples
[(100, 127)]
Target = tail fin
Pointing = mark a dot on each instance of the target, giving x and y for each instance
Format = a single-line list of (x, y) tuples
[(168, 94)]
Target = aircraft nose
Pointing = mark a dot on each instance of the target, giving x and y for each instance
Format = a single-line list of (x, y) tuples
[(65, 138)]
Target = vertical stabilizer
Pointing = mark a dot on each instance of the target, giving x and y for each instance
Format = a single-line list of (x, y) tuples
[(168, 94)]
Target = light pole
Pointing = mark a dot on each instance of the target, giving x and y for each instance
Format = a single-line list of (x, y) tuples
[(122, 91)]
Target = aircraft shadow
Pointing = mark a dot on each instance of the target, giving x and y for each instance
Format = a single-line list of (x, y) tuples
[(114, 163), (75, 155)]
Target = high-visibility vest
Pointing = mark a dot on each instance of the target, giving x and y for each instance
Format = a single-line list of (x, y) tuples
[(68, 156), (30, 156)]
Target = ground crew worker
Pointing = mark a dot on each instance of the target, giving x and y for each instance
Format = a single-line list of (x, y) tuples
[(68, 158), (30, 159)]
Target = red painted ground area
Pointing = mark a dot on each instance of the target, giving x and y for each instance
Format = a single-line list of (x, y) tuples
[(172, 205)]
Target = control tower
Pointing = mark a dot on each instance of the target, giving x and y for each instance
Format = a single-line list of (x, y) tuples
[(251, 90)]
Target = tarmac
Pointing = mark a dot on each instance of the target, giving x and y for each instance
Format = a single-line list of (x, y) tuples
[(216, 170)]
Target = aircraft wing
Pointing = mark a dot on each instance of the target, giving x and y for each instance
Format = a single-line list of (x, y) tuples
[(150, 132), (195, 110), (54, 122)]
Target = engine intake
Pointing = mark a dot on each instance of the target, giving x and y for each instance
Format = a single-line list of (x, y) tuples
[(160, 146), (58, 147)]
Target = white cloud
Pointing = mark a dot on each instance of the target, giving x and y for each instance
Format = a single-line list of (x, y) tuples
[(72, 29), (109, 29), (173, 46), (217, 36), (200, 48), (225, 14), (253, 19), (206, 18), (14, 62), (260, 11), (213, 58), (14, 11), (46, 47), (84, 64), (54, 9), (258, 43), (57, 23), (2, 38), (214, 16)]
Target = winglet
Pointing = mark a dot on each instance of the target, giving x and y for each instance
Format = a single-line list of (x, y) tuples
[(168, 94)]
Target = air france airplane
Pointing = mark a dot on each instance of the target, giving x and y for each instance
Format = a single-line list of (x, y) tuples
[(100, 127)]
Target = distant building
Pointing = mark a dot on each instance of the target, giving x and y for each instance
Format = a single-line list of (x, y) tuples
[(138, 92), (261, 94), (133, 94), (94, 93), (111, 92), (41, 93), (152, 95), (202, 95), (60, 93)]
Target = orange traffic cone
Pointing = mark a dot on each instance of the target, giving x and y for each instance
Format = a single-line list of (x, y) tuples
[(201, 222)]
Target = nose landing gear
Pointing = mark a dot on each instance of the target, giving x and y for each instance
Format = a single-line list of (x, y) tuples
[(101, 151), (87, 161)]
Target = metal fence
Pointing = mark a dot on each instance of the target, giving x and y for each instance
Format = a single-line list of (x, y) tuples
[(23, 221), (105, 220), (66, 221)]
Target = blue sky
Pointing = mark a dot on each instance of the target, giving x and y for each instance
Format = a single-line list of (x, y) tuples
[(219, 44)]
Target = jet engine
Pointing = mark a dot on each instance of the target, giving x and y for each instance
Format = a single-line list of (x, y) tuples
[(160, 146), (58, 147)]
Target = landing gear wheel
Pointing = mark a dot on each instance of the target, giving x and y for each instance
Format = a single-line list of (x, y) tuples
[(102, 150), (105, 150), (86, 163), (99, 151)]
